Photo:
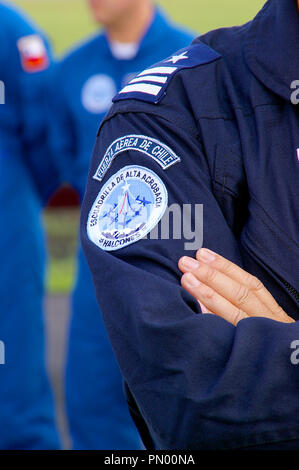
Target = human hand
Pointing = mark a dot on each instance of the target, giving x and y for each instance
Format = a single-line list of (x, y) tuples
[(224, 289)]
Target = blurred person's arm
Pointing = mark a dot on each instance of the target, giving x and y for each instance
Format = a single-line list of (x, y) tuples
[(61, 136), (30, 64)]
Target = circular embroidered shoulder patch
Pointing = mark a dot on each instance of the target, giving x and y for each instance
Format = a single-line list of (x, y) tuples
[(97, 93), (127, 208)]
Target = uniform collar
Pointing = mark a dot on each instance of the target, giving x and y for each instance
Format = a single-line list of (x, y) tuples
[(151, 36), (272, 48), (155, 30)]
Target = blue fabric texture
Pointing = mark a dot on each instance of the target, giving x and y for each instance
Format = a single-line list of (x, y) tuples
[(26, 404), (195, 381), (83, 86)]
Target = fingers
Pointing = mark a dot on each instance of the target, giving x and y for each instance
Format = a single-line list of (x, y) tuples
[(236, 293), (232, 287), (203, 308), (212, 301), (238, 274)]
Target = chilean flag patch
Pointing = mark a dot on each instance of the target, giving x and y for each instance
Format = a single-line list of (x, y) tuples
[(33, 53)]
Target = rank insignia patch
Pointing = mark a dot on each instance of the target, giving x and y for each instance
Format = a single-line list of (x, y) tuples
[(151, 84)]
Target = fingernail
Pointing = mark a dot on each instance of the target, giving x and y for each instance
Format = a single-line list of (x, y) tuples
[(191, 280), (203, 308), (206, 255), (189, 263)]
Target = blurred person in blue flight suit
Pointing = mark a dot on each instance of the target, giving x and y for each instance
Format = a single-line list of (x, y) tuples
[(26, 404), (135, 35)]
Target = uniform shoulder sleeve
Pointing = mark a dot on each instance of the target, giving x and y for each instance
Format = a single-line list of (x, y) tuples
[(26, 65), (31, 47)]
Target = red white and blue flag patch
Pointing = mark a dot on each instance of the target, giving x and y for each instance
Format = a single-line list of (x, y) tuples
[(33, 53)]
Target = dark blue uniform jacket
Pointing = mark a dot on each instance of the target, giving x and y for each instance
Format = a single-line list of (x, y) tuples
[(227, 110)]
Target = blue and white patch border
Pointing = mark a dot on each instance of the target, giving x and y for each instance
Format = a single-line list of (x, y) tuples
[(149, 146), (121, 240)]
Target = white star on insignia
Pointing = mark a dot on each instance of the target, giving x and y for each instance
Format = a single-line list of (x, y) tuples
[(175, 58), (125, 187)]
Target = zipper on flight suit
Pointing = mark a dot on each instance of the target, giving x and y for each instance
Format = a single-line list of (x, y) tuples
[(292, 290)]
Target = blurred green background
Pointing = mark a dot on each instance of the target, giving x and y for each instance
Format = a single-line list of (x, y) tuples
[(67, 22)]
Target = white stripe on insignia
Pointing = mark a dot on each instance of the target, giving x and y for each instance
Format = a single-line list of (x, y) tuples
[(142, 88), (165, 70), (150, 78)]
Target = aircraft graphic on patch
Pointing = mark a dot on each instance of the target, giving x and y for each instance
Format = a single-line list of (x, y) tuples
[(129, 205), (127, 215)]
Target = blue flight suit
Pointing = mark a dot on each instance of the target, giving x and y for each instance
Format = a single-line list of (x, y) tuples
[(222, 135), (83, 87), (26, 403)]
